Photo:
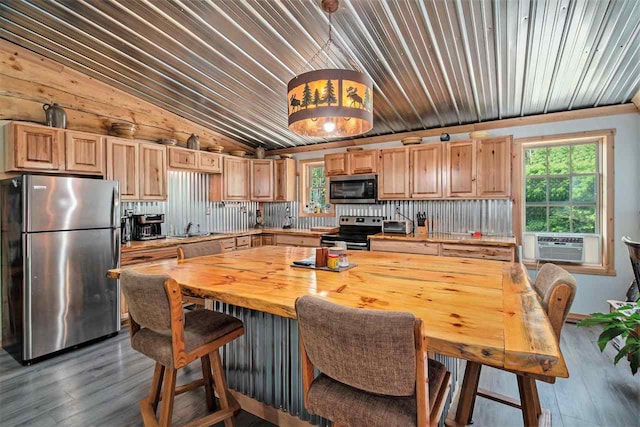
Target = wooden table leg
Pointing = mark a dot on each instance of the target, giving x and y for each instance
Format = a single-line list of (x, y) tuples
[(468, 391), (528, 399)]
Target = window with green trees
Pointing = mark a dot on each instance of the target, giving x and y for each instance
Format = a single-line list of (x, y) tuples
[(561, 188), (318, 187)]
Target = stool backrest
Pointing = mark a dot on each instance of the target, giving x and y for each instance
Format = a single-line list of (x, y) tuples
[(634, 255), (371, 350), (192, 250), (147, 299), (557, 290)]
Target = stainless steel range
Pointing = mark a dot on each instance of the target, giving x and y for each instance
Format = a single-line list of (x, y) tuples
[(354, 231)]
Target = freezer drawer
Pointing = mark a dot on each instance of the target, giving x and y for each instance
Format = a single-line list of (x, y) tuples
[(68, 299)]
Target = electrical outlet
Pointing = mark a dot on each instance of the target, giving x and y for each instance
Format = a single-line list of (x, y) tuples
[(207, 211)]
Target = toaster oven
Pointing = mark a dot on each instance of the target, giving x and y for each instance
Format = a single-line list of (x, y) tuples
[(397, 227)]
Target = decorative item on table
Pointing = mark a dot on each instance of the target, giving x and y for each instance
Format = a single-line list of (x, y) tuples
[(411, 140), (423, 226), (238, 153), (55, 116), (167, 141), (215, 149), (193, 142), (259, 219), (330, 103), (287, 223), (260, 152), (286, 156), (445, 137), (124, 130)]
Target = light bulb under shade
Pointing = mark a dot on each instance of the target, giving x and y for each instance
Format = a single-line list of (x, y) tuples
[(329, 126)]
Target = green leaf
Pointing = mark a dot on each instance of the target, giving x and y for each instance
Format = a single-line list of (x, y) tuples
[(607, 336), (635, 362), (622, 353)]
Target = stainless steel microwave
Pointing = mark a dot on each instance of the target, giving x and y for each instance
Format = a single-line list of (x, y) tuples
[(353, 189)]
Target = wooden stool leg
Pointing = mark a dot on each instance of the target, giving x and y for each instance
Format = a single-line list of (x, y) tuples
[(208, 382), (168, 393), (220, 385), (467, 399), (528, 398), (156, 386)]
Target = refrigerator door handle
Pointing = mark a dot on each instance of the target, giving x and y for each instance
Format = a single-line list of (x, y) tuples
[(27, 344), (115, 205), (116, 248)]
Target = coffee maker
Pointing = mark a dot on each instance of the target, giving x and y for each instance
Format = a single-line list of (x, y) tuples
[(126, 225), (148, 227)]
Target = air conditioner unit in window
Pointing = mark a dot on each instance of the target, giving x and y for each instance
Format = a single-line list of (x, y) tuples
[(560, 247)]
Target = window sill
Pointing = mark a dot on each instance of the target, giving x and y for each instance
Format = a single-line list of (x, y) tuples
[(590, 269)]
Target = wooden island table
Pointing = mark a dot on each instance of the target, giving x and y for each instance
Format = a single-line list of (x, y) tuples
[(485, 312)]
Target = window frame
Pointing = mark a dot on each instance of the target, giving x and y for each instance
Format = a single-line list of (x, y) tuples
[(305, 189), (550, 204), (605, 194)]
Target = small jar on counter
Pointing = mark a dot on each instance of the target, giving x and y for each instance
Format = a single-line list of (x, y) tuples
[(343, 260), (333, 261)]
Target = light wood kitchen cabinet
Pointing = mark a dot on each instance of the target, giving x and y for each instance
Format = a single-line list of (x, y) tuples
[(493, 167), (393, 175), (243, 242), (209, 162), (262, 180), (426, 171), (268, 240), (336, 164), (182, 158), (32, 147), (292, 240), (285, 180), (84, 153), (153, 172), (123, 165), (460, 169), (233, 183), (365, 161), (256, 241)]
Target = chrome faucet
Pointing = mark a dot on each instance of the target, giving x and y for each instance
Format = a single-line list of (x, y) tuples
[(187, 229)]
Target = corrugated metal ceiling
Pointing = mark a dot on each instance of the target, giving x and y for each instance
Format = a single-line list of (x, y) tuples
[(225, 63)]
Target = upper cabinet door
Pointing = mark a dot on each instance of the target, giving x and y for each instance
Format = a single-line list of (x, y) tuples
[(236, 179), (181, 158), (84, 153), (461, 169), (494, 167), (393, 175), (285, 180), (209, 162), (123, 166), (262, 177), (426, 171), (35, 147), (336, 164), (153, 172), (365, 161)]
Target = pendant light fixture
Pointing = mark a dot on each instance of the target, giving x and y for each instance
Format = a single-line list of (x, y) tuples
[(330, 103)]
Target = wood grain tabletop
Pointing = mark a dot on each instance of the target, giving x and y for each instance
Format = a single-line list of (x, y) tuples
[(478, 310)]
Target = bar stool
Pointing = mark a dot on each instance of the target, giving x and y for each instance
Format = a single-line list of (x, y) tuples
[(160, 330), (193, 250), (556, 289), (374, 369)]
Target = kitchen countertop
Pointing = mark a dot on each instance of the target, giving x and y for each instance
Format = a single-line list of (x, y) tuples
[(463, 239), (172, 241)]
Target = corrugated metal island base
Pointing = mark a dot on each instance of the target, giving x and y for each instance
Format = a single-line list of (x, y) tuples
[(264, 363)]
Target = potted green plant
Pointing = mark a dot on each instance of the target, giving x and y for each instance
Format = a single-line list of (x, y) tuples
[(625, 323)]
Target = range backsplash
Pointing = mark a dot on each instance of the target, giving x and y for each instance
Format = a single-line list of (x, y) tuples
[(188, 195)]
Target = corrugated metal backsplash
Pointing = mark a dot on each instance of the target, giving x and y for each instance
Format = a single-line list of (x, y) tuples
[(445, 216), (189, 195)]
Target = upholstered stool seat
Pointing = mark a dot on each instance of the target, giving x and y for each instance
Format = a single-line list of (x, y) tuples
[(200, 327), (161, 330), (350, 406)]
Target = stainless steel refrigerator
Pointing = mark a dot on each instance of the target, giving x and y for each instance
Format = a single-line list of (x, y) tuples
[(59, 236)]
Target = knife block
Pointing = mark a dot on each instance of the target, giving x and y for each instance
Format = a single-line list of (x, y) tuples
[(422, 230)]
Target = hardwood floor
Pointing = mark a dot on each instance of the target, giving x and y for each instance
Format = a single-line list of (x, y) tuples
[(100, 385)]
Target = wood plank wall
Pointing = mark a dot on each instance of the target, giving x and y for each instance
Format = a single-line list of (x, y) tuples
[(29, 80)]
